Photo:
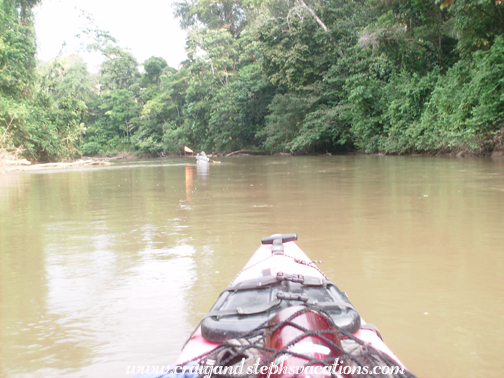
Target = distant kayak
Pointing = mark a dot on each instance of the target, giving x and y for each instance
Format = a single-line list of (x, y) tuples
[(202, 159)]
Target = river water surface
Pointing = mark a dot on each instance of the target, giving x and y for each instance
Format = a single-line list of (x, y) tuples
[(105, 268)]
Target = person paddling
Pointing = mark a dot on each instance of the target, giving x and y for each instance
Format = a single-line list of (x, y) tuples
[(201, 156)]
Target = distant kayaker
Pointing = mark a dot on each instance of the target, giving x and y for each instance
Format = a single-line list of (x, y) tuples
[(201, 156)]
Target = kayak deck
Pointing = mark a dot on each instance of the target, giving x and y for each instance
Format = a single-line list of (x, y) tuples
[(269, 260)]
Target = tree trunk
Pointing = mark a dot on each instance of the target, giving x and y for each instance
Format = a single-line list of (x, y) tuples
[(501, 20), (303, 5), (440, 41)]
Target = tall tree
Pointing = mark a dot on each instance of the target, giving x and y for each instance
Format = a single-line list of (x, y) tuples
[(119, 70), (228, 14)]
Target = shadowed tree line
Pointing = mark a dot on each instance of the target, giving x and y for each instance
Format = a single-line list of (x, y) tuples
[(300, 76)]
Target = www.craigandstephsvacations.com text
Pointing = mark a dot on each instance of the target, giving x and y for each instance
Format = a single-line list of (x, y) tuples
[(207, 371)]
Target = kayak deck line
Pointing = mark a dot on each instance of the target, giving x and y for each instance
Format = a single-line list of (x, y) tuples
[(296, 260)]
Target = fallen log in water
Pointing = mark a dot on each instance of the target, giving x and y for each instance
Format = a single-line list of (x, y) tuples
[(246, 152), (16, 162), (72, 164), (62, 165)]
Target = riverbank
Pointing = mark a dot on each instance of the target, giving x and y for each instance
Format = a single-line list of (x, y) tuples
[(10, 162), (25, 165), (455, 153)]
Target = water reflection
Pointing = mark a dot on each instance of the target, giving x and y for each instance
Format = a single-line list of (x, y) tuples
[(77, 277), (188, 182), (202, 167)]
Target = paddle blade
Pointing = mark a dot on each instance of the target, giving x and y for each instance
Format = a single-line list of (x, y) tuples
[(187, 149)]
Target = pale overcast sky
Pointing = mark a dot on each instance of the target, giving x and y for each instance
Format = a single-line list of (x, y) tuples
[(146, 27)]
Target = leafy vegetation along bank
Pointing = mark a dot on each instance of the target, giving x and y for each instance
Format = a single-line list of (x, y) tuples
[(302, 76)]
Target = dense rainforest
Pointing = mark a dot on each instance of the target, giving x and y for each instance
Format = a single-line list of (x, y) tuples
[(298, 76)]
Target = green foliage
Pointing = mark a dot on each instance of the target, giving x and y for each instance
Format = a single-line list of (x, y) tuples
[(227, 14), (285, 120), (44, 127), (406, 99), (417, 35), (119, 70), (17, 50), (304, 76), (467, 105), (174, 139), (68, 77), (162, 113), (295, 49), (49, 130), (477, 23), (239, 110), (410, 113), (153, 67), (227, 95), (324, 130), (114, 121)]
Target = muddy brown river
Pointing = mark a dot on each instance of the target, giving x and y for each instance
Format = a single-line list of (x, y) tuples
[(110, 267)]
